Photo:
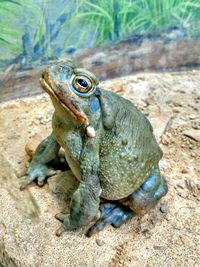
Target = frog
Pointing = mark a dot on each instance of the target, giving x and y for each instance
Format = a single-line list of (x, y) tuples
[(109, 146)]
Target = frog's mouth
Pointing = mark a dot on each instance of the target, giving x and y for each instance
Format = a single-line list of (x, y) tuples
[(66, 103)]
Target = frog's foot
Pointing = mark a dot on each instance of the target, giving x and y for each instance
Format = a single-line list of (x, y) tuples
[(148, 194), (61, 217), (60, 231), (140, 202), (111, 213), (39, 172), (66, 223)]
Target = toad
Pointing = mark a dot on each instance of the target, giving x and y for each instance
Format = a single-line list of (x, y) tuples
[(109, 146)]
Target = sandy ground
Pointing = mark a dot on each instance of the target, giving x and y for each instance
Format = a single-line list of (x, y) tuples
[(27, 224)]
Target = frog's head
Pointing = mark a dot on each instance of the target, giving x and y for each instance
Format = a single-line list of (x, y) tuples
[(74, 89)]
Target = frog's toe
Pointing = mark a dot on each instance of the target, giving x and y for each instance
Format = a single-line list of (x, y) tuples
[(148, 195), (60, 231), (41, 180), (112, 213), (60, 216), (162, 189), (29, 179), (24, 184), (42, 176), (37, 172), (119, 215)]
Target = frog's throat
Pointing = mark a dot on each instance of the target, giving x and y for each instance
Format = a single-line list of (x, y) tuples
[(67, 104)]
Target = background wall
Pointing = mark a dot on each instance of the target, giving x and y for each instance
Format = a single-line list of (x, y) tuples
[(34, 31)]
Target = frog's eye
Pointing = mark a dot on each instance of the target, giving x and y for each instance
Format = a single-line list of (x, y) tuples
[(82, 84)]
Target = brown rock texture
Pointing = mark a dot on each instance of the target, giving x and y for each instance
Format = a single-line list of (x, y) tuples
[(168, 236)]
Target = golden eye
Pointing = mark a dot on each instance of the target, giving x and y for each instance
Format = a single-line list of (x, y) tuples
[(82, 84)]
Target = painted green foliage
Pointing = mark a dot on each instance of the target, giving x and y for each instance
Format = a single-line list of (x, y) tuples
[(116, 18), (86, 23), (7, 32)]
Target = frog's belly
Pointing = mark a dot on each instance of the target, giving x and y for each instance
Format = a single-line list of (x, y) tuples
[(119, 188), (115, 190), (118, 181)]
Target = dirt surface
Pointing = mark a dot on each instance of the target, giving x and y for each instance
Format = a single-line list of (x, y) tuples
[(168, 236)]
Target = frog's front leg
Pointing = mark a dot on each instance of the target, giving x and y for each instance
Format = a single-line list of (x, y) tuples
[(39, 169), (85, 201)]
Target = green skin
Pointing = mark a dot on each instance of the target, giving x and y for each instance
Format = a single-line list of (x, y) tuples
[(110, 165)]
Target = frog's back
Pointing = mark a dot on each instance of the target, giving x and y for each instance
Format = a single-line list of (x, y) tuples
[(128, 150)]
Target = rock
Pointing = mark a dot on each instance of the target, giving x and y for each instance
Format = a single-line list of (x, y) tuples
[(184, 170), (117, 87), (27, 219), (193, 134), (191, 185), (163, 165), (193, 117), (196, 125), (32, 144), (100, 242), (24, 201), (159, 247), (5, 259), (163, 208), (160, 122)]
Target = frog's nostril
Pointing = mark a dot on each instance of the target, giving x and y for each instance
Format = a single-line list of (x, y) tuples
[(44, 74)]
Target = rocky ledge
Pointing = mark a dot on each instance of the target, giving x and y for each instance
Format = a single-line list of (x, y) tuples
[(168, 236)]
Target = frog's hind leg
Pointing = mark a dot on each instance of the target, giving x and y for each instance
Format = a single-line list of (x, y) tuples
[(139, 202), (113, 213), (148, 194)]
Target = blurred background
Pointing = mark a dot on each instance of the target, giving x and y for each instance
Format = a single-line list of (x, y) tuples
[(112, 38)]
